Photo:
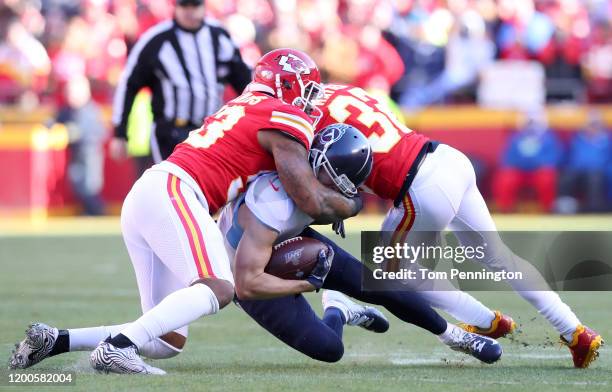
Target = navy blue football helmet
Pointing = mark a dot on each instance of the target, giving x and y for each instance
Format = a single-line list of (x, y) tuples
[(345, 154)]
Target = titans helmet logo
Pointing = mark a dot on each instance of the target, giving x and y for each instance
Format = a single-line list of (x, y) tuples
[(332, 133)]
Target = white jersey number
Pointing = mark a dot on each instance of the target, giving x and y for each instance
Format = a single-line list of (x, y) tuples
[(222, 121), (371, 112)]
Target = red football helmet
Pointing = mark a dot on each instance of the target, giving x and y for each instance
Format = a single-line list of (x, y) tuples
[(293, 77)]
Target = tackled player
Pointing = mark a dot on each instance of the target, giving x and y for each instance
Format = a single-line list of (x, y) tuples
[(342, 159)]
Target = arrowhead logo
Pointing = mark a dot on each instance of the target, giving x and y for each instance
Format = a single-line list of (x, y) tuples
[(292, 63)]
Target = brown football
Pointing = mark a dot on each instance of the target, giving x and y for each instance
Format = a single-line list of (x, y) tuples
[(295, 258)]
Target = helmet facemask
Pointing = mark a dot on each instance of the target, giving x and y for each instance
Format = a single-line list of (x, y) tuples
[(306, 101), (318, 158), (310, 93)]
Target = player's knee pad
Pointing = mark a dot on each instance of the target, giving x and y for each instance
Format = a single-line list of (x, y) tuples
[(158, 349)]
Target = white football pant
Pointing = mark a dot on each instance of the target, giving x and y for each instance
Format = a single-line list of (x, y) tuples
[(170, 236), (444, 195)]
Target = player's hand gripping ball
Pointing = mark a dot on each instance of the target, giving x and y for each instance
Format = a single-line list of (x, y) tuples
[(296, 258)]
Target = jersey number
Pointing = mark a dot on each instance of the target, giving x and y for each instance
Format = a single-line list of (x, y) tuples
[(371, 112), (236, 187), (222, 121)]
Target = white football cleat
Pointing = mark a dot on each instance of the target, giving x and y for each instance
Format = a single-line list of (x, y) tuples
[(364, 316), (38, 343), (107, 358), (483, 348)]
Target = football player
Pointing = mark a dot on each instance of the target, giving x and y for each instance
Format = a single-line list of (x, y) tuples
[(176, 249), (265, 215), (433, 187)]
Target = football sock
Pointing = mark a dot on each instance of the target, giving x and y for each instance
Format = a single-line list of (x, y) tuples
[(176, 310), (447, 336), (461, 306), (334, 319), (62, 343), (534, 289), (121, 341), (85, 339), (553, 309)]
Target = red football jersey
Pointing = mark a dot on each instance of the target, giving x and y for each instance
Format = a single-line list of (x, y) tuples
[(394, 145), (224, 154)]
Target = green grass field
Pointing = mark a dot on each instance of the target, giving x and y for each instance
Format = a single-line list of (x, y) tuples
[(70, 280)]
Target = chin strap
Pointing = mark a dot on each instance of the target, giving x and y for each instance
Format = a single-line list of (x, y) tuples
[(259, 87), (279, 90)]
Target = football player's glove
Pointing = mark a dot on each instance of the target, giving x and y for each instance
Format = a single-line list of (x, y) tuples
[(320, 271), (338, 228)]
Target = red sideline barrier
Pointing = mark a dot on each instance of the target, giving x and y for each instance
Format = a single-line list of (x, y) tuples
[(33, 159), (34, 176)]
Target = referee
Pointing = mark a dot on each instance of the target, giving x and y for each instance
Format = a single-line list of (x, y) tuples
[(185, 62)]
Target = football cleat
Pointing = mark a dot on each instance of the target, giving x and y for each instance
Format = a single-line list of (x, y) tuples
[(584, 346), (480, 347), (501, 326), (107, 358), (37, 345), (364, 316)]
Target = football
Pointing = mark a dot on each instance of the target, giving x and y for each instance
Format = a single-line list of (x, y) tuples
[(295, 258)]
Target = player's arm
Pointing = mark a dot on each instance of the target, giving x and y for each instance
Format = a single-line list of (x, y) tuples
[(291, 159), (252, 256)]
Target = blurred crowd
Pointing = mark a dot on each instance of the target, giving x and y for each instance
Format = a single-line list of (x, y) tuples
[(420, 52), (562, 176)]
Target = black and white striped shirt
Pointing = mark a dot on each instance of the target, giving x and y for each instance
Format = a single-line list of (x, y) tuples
[(185, 70)]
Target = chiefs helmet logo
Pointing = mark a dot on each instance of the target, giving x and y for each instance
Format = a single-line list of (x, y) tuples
[(292, 63), (331, 134)]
